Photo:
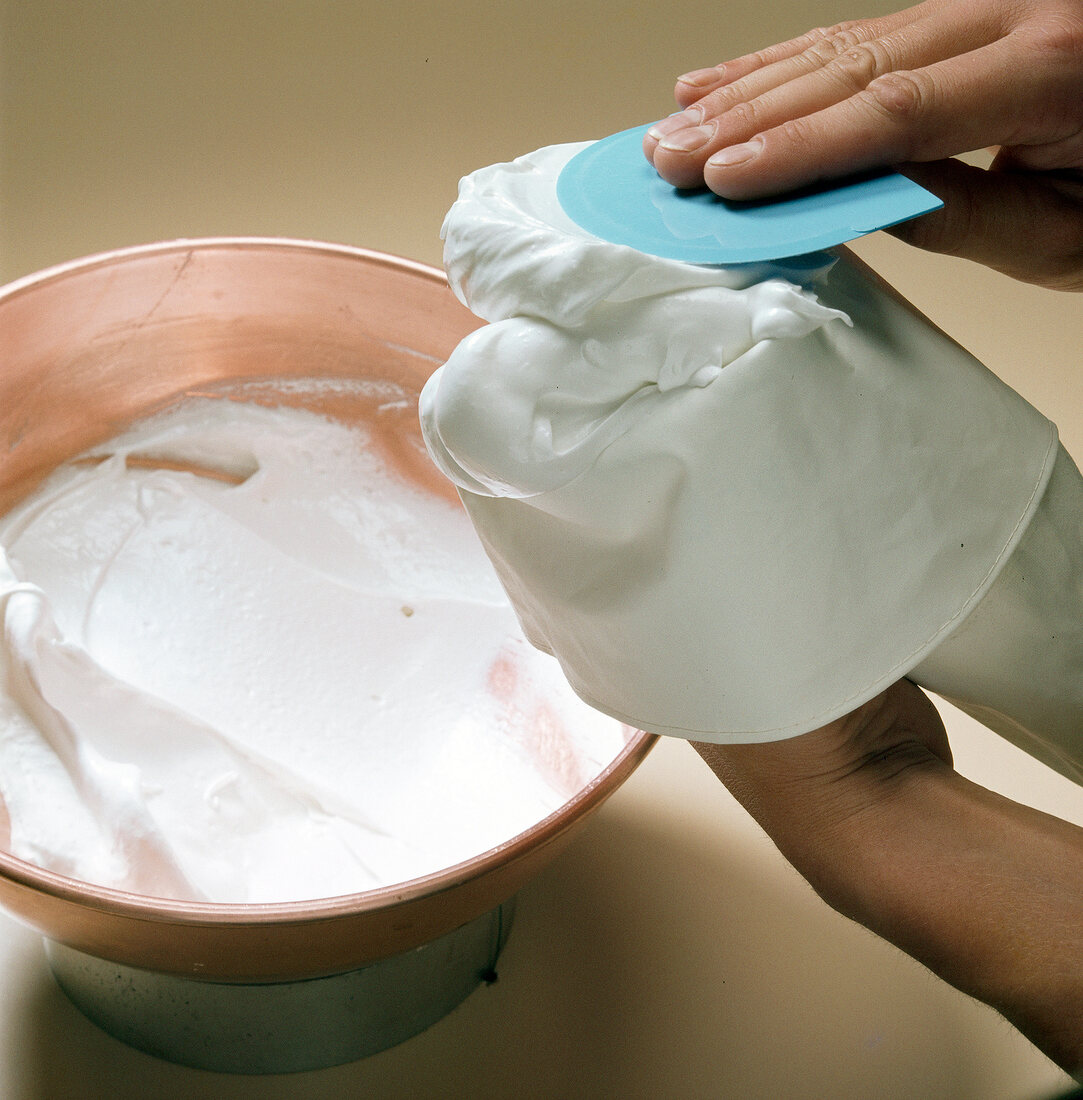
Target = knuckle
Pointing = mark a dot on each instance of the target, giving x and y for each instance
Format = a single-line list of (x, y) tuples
[(902, 97), (829, 43), (723, 101), (795, 135), (813, 38), (859, 28), (746, 115), (860, 64), (846, 37), (768, 55), (838, 36), (762, 58)]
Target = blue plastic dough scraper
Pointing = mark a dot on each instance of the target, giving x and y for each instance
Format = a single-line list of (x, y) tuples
[(613, 192)]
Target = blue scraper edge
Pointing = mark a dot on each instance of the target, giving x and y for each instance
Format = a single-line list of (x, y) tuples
[(612, 191)]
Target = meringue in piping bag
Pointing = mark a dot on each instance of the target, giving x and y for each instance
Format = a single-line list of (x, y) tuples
[(737, 502)]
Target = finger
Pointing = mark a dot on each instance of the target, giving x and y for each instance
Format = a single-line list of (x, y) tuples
[(697, 83), (693, 86), (733, 91), (1058, 154), (821, 42), (927, 114), (830, 72), (724, 87), (987, 214)]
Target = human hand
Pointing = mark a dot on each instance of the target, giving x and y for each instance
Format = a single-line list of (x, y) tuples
[(1028, 225), (986, 892), (942, 78)]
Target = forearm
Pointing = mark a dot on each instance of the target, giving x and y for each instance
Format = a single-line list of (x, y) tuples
[(987, 893)]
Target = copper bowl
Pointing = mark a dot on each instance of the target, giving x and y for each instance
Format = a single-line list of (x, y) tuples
[(91, 345)]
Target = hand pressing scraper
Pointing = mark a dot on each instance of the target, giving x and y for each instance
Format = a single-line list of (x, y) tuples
[(612, 191)]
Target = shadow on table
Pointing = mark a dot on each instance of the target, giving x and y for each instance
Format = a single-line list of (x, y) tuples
[(646, 962)]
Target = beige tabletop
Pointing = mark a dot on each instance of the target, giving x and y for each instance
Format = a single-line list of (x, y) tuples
[(670, 953)]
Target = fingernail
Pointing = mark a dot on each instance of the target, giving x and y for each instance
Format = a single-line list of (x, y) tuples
[(699, 77), (680, 121), (689, 139), (736, 154)]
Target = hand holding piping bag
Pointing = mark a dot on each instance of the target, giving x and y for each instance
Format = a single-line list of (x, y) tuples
[(987, 893), (984, 891), (913, 88)]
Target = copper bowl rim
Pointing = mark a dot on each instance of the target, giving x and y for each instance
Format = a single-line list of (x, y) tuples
[(124, 903), (190, 244)]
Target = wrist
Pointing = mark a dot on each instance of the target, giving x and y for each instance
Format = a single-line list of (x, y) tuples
[(985, 892), (812, 792), (823, 810)]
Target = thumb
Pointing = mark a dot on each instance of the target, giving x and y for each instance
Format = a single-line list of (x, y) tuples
[(1028, 225)]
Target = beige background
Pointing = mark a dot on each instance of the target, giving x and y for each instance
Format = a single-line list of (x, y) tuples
[(670, 953)]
